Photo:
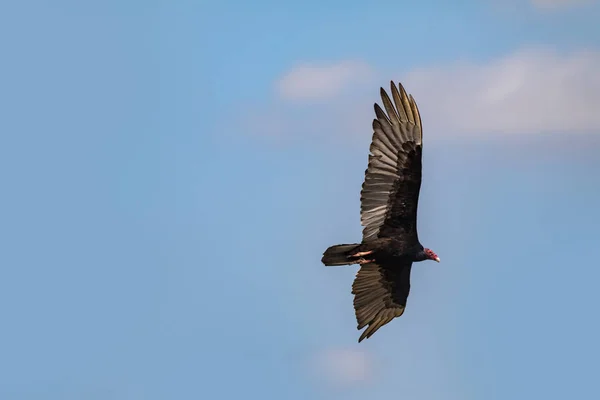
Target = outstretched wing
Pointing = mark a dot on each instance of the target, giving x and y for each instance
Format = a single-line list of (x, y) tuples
[(380, 295), (390, 192)]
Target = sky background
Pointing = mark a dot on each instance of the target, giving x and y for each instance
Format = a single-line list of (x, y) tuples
[(173, 170)]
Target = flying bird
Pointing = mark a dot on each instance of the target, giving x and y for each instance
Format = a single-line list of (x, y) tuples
[(388, 213)]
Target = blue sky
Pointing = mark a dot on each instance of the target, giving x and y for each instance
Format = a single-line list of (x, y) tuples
[(168, 193)]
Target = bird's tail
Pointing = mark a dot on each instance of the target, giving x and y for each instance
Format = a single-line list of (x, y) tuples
[(339, 255)]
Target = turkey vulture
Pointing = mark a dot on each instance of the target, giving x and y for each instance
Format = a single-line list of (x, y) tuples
[(388, 212)]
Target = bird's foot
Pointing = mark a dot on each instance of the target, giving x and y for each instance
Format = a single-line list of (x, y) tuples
[(363, 261)]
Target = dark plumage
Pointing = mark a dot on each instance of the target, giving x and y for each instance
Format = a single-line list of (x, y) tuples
[(389, 199)]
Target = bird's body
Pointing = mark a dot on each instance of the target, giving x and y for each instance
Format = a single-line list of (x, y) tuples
[(381, 249), (389, 200)]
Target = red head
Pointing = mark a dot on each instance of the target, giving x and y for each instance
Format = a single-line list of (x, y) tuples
[(431, 255)]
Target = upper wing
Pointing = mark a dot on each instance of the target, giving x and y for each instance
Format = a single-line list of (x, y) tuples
[(390, 192), (380, 295)]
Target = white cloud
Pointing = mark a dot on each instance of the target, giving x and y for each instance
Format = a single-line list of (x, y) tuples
[(532, 91), (529, 91), (344, 367), (321, 81), (554, 4)]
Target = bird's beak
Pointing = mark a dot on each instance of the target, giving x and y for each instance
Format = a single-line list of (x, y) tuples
[(437, 259)]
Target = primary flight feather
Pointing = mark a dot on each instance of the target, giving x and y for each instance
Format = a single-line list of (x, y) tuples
[(388, 213)]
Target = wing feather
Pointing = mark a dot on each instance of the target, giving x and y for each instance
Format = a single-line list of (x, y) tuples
[(390, 192), (380, 294)]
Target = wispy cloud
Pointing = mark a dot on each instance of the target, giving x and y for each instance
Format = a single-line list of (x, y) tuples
[(343, 367), (532, 91), (312, 81), (527, 92)]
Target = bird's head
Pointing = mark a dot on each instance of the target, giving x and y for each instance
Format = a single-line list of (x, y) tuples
[(431, 255)]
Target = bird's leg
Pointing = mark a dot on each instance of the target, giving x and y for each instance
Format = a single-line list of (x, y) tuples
[(362, 253)]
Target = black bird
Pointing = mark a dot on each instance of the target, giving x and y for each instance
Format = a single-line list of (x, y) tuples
[(389, 198)]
